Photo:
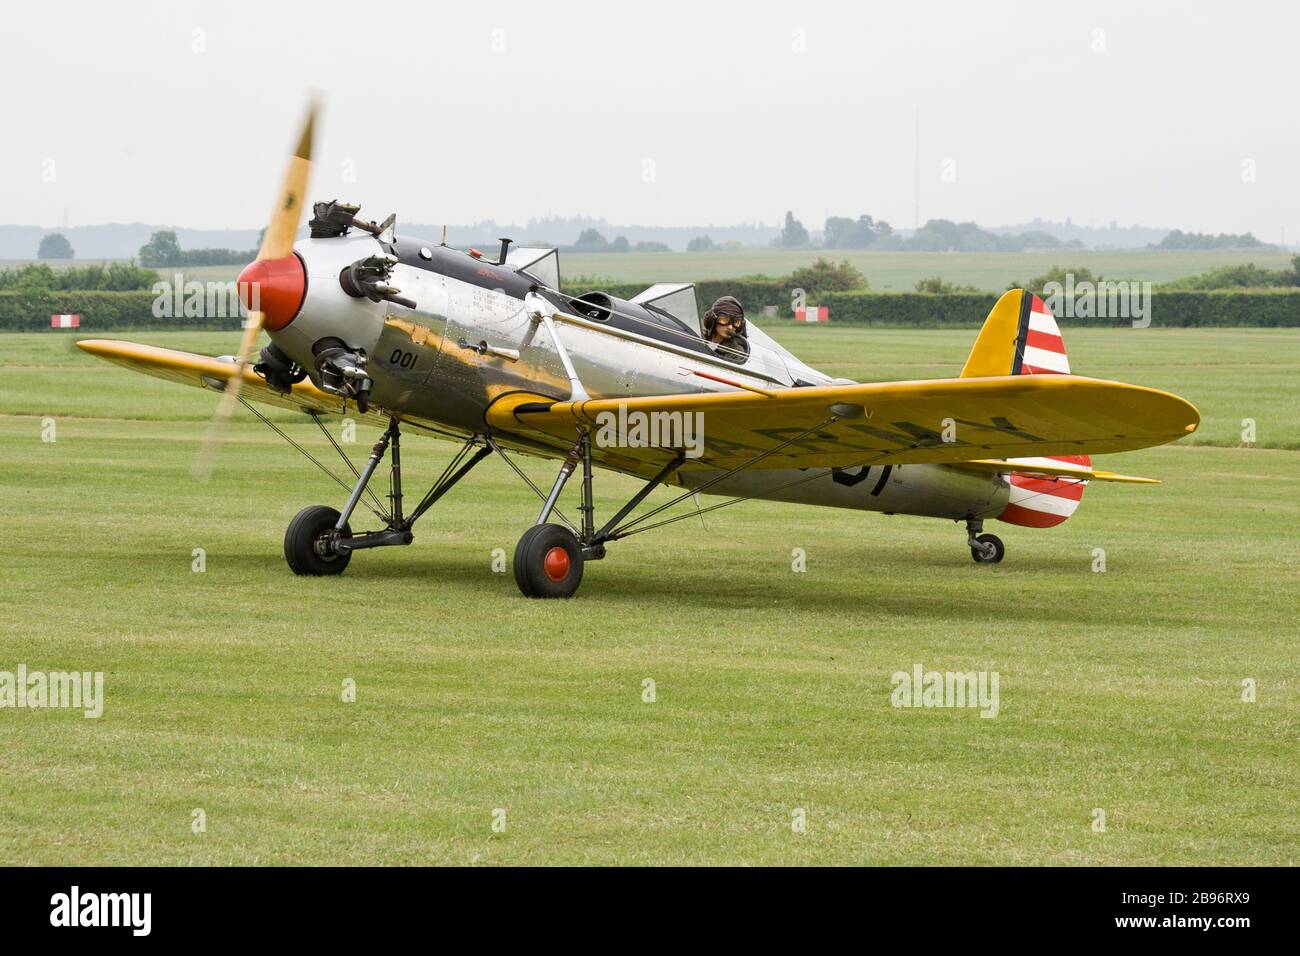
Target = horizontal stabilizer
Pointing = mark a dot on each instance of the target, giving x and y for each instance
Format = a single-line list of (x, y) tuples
[(1049, 468)]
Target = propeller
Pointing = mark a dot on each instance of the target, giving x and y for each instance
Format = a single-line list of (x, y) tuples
[(277, 243)]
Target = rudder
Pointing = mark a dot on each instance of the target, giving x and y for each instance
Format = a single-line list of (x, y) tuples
[(1020, 337)]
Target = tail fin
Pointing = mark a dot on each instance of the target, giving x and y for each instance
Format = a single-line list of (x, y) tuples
[(1021, 337)]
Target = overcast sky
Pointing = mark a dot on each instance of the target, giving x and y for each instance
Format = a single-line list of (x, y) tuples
[(1165, 114)]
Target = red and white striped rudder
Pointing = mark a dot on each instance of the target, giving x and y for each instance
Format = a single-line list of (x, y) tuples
[(1038, 502)]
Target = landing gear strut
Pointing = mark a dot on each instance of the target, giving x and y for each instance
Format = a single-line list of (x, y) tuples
[(549, 558), (319, 540), (984, 548), (536, 565)]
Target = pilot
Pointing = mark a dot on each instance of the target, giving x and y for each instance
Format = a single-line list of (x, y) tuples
[(724, 327)]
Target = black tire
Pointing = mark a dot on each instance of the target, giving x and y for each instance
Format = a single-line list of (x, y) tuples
[(307, 527), (984, 555), (540, 569)]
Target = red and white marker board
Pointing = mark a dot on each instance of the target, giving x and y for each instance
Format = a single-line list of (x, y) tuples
[(65, 321), (813, 313)]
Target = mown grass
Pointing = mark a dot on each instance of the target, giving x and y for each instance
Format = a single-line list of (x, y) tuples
[(1119, 690)]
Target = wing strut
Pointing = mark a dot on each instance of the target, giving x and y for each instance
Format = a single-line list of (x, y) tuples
[(592, 542), (376, 507), (541, 311), (722, 476), (398, 527)]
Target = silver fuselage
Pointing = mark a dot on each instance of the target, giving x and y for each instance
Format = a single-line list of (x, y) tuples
[(427, 363)]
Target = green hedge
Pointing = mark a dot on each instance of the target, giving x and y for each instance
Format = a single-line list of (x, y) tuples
[(99, 311), (967, 310), (1167, 309), (118, 311), (915, 309), (1209, 309)]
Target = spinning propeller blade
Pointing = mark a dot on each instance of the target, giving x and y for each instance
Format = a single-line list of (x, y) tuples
[(277, 243)]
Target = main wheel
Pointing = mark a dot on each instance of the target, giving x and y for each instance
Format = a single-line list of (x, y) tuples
[(548, 562), (990, 550), (309, 540)]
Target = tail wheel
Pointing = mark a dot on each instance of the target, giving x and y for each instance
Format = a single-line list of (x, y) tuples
[(989, 550), (309, 542), (548, 562)]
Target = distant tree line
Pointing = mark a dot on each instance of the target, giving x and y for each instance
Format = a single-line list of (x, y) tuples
[(1180, 240), (163, 250), (937, 235), (707, 244), (944, 235), (590, 240), (864, 232)]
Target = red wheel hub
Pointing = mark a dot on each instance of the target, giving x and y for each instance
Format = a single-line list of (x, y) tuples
[(556, 564)]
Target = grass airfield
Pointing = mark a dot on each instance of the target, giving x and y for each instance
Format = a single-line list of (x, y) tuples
[(1119, 690)]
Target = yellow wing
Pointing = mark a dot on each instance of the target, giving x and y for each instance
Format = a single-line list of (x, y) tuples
[(828, 426), (203, 371), (845, 425)]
